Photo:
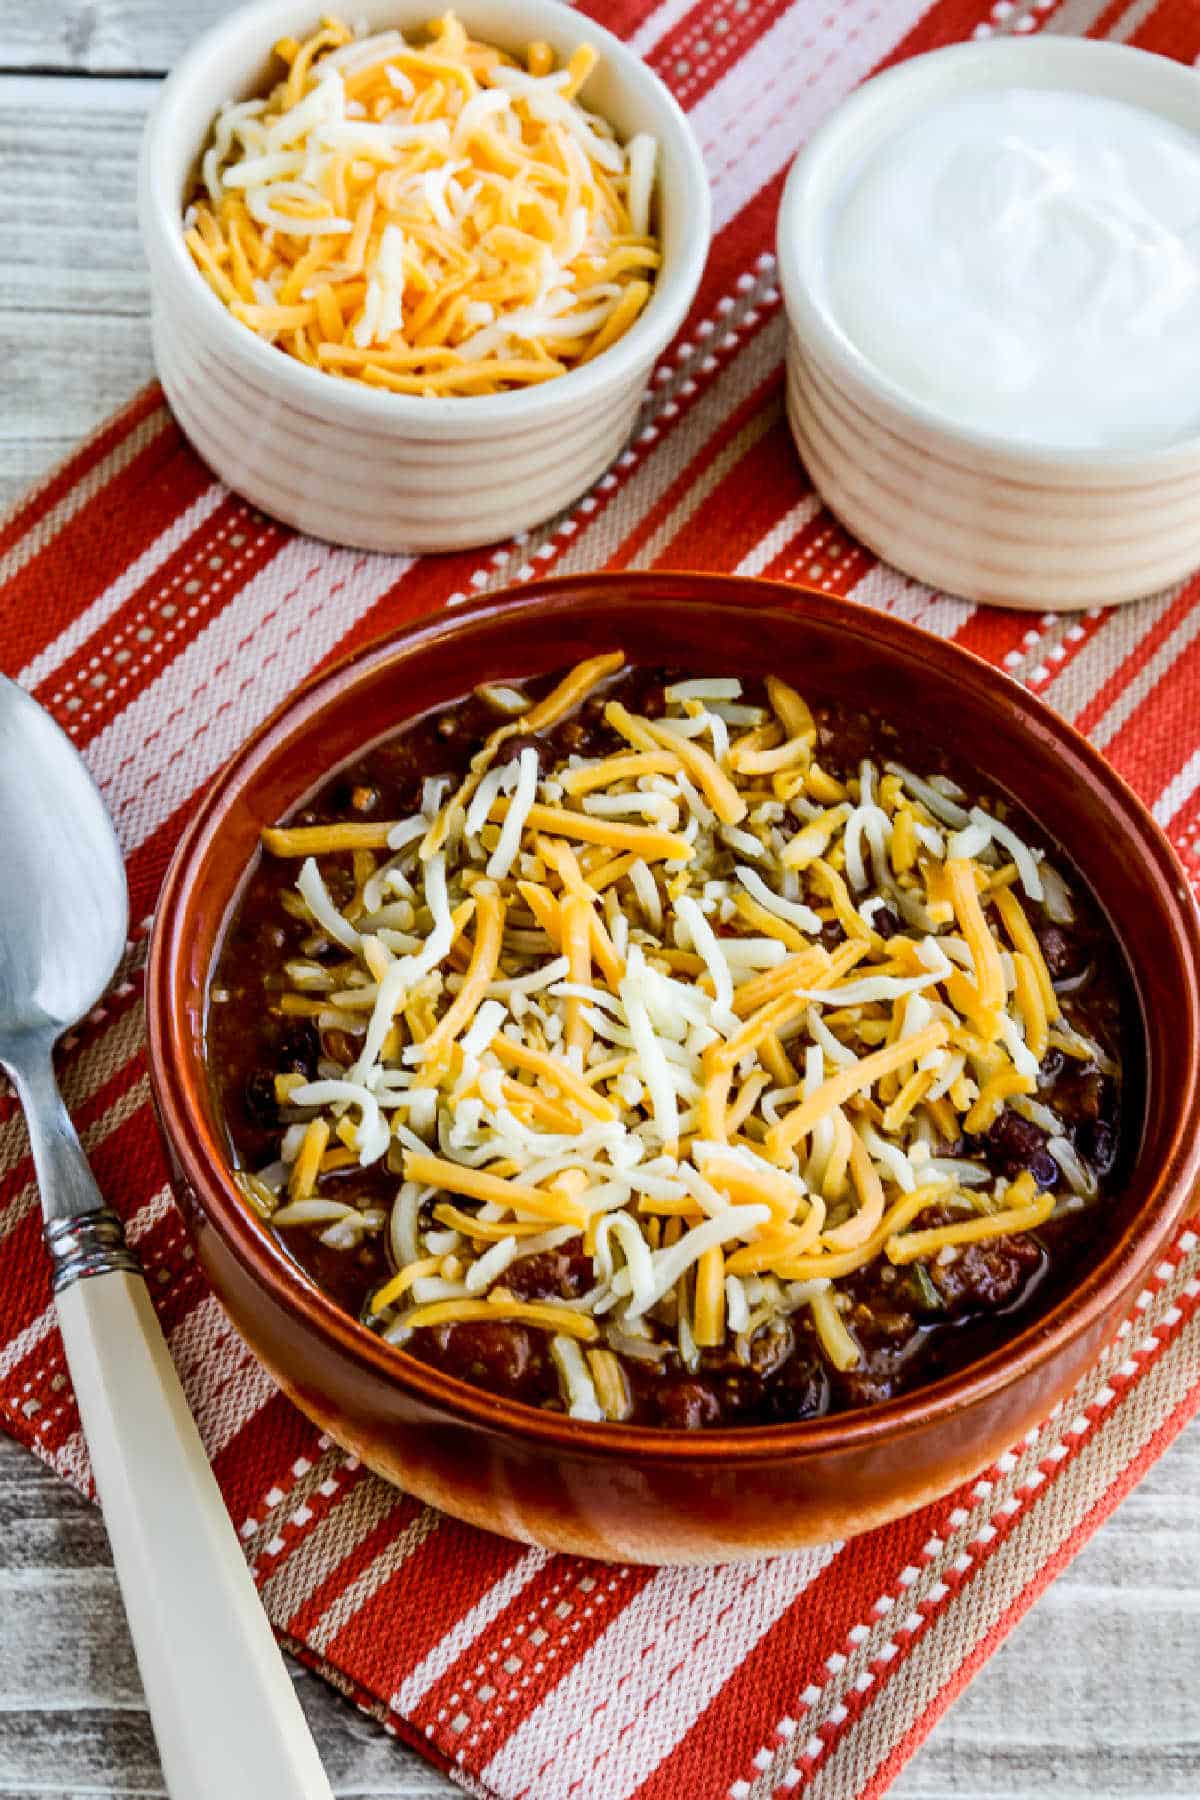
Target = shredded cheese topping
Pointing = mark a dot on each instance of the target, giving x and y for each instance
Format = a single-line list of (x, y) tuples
[(427, 217), (733, 1084)]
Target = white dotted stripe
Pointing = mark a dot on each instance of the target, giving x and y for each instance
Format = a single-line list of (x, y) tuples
[(462, 1634), (194, 589), (93, 618)]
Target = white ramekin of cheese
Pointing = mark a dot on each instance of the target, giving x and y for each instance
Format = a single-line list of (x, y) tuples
[(364, 465), (990, 259)]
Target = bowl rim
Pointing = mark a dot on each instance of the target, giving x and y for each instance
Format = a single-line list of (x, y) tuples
[(961, 68), (672, 295), (178, 1079)]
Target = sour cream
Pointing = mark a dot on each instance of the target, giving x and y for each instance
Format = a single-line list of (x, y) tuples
[(1027, 262)]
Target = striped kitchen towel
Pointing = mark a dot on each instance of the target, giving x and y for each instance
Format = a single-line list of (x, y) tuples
[(159, 619)]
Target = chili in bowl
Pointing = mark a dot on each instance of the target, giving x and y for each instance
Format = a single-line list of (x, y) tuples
[(656, 1048), (620, 1096)]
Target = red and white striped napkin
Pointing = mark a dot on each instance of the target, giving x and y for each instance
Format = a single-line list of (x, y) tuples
[(159, 618)]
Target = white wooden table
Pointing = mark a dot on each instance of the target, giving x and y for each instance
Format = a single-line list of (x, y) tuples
[(1096, 1695)]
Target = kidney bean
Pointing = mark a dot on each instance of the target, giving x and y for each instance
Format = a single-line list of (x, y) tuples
[(299, 1049), (511, 749), (561, 1274), (1045, 1171), (340, 1046), (258, 1099), (1098, 1143), (799, 1390), (1012, 1143)]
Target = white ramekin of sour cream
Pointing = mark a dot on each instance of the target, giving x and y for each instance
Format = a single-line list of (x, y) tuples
[(990, 259)]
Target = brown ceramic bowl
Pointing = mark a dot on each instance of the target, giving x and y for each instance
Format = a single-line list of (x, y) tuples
[(639, 1493)]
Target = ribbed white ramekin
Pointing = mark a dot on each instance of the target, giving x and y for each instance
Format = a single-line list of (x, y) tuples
[(398, 472), (972, 513)]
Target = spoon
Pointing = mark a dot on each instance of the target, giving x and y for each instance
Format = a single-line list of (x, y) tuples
[(225, 1713)]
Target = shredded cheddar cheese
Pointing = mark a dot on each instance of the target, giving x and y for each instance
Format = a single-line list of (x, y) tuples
[(426, 218), (531, 1312), (909, 1245), (603, 1000)]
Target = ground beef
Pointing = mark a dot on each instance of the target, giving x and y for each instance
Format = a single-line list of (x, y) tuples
[(771, 1348), (986, 1277), (887, 1335), (339, 1045), (505, 1358), (561, 1274), (785, 1379), (688, 1405), (1064, 956), (1085, 1095), (865, 1386), (845, 735), (795, 1387), (653, 702)]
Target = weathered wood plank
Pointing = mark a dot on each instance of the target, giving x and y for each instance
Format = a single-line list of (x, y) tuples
[(102, 36), (49, 406), (73, 338), (69, 151)]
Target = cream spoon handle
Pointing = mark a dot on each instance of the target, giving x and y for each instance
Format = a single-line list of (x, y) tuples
[(225, 1712)]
